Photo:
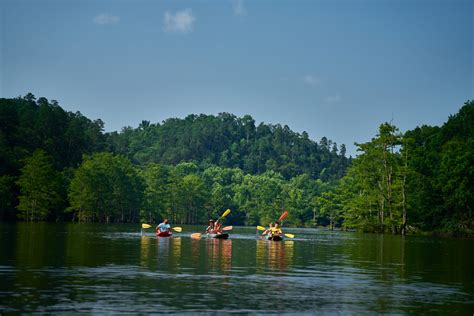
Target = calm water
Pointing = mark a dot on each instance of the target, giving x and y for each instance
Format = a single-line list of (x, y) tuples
[(57, 268)]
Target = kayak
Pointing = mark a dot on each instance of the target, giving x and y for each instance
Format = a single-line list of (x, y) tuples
[(218, 236), (164, 234), (274, 238)]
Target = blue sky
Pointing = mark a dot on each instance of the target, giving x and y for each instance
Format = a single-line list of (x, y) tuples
[(331, 68)]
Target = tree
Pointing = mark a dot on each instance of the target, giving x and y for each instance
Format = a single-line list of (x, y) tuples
[(106, 188), (329, 207), (157, 192), (261, 197), (40, 187), (7, 197), (374, 173), (456, 182)]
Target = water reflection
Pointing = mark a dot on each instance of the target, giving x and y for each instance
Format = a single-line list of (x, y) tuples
[(144, 250), (274, 255), (162, 249), (55, 269), (176, 247), (219, 254)]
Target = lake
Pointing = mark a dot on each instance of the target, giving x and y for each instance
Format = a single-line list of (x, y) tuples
[(93, 268)]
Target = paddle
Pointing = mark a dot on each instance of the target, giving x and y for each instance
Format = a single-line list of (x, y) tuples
[(227, 212), (227, 228), (145, 226), (282, 216), (285, 214), (261, 228), (196, 235), (177, 229)]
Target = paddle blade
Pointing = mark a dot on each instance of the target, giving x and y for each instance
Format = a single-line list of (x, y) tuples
[(290, 235), (227, 228), (261, 228), (196, 235), (226, 213), (285, 214), (145, 226), (177, 229)]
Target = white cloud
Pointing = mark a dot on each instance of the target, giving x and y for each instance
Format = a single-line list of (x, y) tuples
[(333, 98), (180, 22), (106, 18), (238, 7), (311, 80)]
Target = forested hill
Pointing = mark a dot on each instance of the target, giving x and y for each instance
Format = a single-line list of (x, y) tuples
[(223, 140), (233, 142), (27, 124), (60, 165)]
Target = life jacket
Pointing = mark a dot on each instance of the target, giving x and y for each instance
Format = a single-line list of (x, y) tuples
[(275, 231)]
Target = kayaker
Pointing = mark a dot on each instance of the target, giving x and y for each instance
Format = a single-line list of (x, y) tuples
[(218, 227), (211, 228), (276, 230), (163, 227), (267, 231)]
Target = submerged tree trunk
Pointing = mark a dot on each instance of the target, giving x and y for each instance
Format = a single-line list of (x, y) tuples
[(404, 209), (314, 216), (381, 216)]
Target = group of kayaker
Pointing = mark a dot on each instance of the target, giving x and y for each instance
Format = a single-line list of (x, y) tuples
[(214, 227), (215, 230)]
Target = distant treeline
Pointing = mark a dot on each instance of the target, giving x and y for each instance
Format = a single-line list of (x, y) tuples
[(59, 165), (231, 142)]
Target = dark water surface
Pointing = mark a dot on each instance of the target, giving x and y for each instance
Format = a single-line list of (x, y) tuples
[(92, 268)]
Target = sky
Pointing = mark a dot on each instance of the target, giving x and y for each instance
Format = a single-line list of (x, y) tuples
[(335, 68)]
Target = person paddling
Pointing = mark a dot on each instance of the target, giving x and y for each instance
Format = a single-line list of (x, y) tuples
[(218, 227), (276, 230), (214, 227), (211, 228), (268, 230), (163, 227)]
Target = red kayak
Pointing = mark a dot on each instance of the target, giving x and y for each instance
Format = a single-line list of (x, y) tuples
[(164, 234)]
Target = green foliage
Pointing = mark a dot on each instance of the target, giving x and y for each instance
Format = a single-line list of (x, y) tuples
[(157, 193), (231, 142), (456, 181), (27, 125), (195, 168), (374, 174), (424, 179), (40, 187), (330, 207), (106, 188), (7, 197)]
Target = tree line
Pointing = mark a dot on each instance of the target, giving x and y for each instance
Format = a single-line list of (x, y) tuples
[(59, 165), (420, 180), (231, 142)]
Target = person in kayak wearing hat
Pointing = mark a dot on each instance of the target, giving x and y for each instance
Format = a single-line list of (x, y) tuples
[(214, 227), (211, 228)]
